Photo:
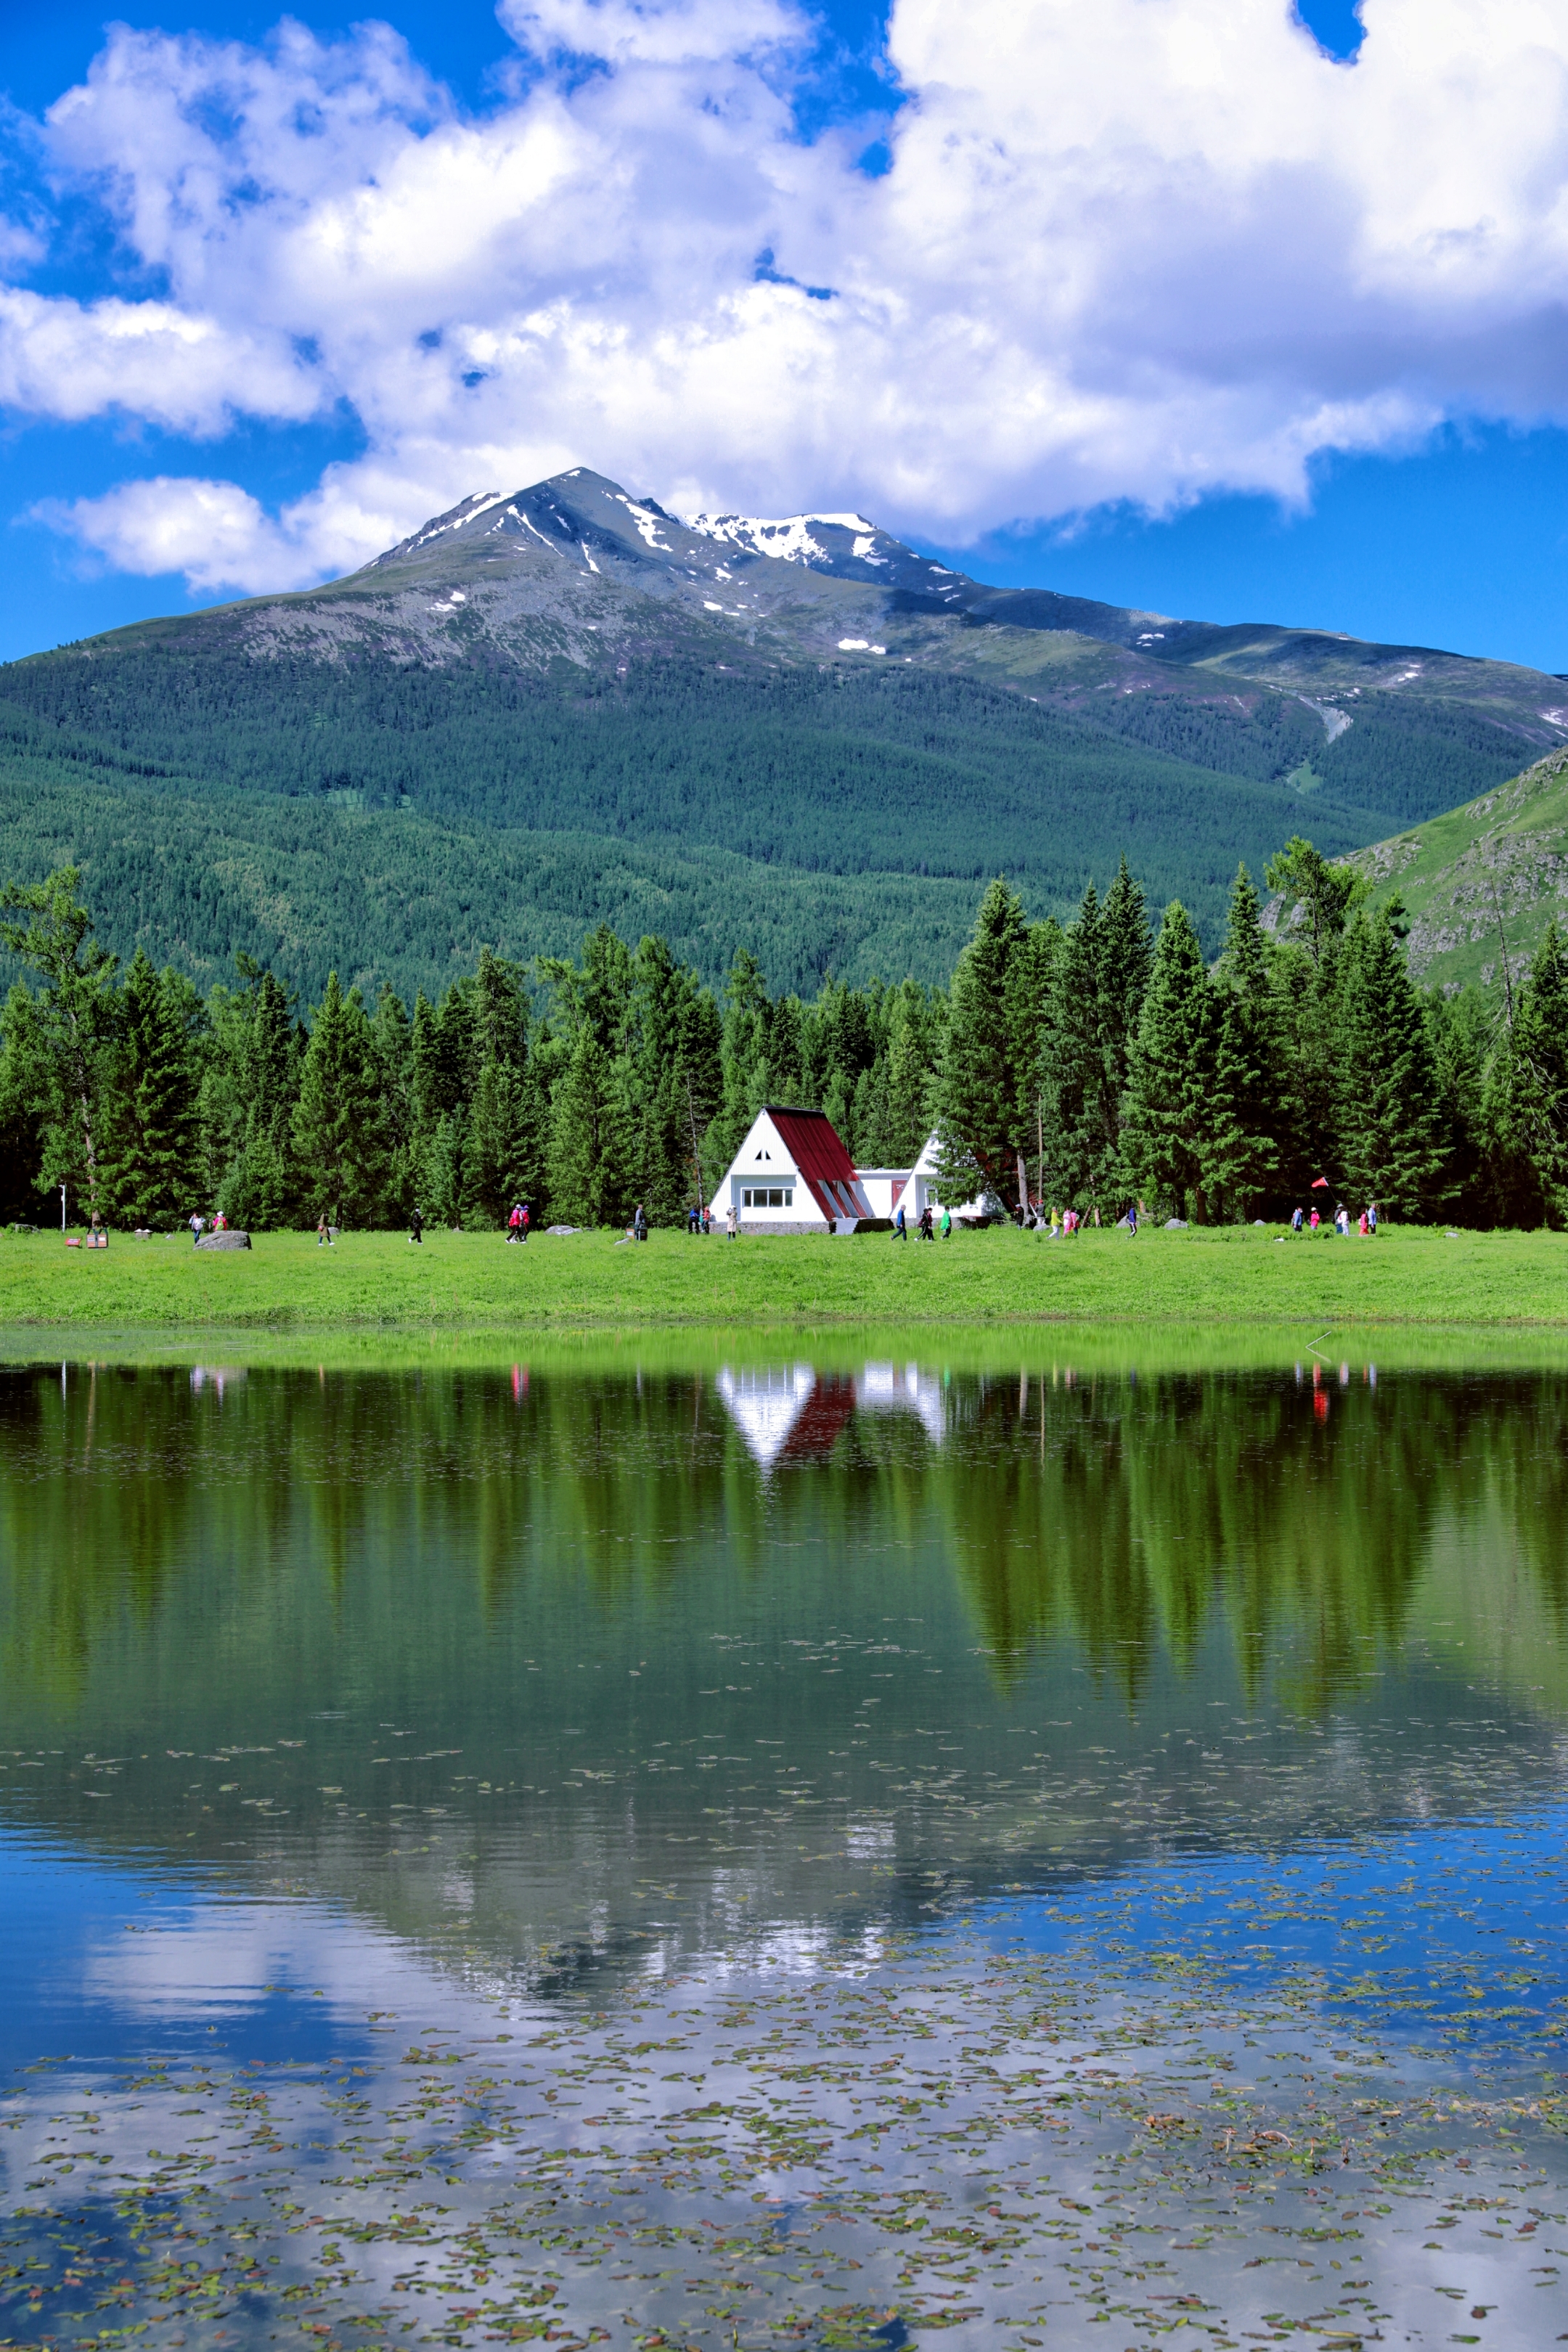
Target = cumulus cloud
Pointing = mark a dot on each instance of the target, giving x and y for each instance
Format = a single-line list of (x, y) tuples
[(1142, 251)]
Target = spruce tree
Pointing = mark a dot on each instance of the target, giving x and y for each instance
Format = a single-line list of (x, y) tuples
[(73, 1017), (153, 1130), (1391, 1132), (1242, 1152), (339, 1134), (1536, 1062), (1171, 1085), (912, 1054), (1072, 1067), (588, 1146), (980, 1084)]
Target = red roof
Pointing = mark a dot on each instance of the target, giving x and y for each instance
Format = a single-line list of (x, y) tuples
[(813, 1144)]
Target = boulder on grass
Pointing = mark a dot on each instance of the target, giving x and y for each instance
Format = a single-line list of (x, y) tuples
[(233, 1239)]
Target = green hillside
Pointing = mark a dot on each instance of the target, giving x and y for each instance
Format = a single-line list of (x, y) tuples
[(391, 819), (1489, 874), (195, 875)]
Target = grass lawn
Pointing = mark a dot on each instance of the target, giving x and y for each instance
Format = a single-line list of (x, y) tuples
[(1236, 1278)]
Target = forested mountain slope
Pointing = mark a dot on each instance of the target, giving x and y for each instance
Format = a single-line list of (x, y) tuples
[(567, 704), (1482, 881)]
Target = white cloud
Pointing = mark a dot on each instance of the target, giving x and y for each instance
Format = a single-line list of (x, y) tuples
[(1142, 251)]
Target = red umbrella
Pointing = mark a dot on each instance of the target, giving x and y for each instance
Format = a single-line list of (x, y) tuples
[(1320, 1184)]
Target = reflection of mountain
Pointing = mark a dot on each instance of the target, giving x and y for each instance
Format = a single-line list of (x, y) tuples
[(553, 1672), (795, 1413)]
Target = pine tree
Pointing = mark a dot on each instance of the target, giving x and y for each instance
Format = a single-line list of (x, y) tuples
[(588, 1155), (152, 1140), (913, 1051), (980, 1087), (73, 1017), (1170, 1088), (339, 1135), (1126, 960), (1391, 1133), (498, 1158), (1242, 1154), (1073, 1074), (1536, 1064)]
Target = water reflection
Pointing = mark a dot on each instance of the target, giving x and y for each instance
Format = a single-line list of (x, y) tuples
[(486, 1699)]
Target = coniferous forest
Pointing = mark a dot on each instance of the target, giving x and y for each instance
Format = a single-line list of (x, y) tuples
[(1084, 1065)]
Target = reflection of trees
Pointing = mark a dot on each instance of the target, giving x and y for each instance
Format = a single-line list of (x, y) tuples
[(1137, 1518)]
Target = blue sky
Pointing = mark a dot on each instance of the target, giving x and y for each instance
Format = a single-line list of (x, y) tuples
[(1248, 396)]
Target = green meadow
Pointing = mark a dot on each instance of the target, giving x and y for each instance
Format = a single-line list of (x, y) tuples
[(1230, 1280)]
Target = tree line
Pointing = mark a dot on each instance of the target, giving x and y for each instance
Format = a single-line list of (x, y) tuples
[(1086, 1064)]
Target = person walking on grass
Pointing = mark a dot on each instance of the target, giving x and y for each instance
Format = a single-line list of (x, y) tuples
[(323, 1231), (946, 1223), (900, 1228), (514, 1222), (732, 1221), (1317, 1221), (198, 1224), (639, 1225), (417, 1227), (1133, 1222), (926, 1233), (1295, 1219)]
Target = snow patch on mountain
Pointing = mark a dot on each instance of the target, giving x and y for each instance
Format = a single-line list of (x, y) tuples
[(789, 538)]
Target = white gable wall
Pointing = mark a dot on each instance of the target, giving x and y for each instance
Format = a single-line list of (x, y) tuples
[(762, 1167)]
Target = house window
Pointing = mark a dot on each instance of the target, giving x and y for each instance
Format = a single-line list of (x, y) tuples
[(758, 1196)]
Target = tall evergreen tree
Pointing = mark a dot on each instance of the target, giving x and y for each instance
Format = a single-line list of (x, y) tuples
[(981, 1084), (339, 1133), (588, 1146), (153, 1132), (1171, 1085), (1391, 1132), (1242, 1154), (1535, 1088), (500, 1161), (74, 1015)]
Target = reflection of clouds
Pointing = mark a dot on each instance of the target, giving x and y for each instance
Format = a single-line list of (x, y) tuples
[(795, 1412), (229, 1954)]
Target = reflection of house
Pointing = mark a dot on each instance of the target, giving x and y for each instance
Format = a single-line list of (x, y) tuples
[(792, 1175), (786, 1414), (904, 1387), (795, 1413)]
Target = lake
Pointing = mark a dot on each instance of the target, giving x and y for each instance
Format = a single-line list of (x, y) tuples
[(783, 1848)]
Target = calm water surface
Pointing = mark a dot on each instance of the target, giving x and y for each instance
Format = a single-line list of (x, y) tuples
[(783, 1856)]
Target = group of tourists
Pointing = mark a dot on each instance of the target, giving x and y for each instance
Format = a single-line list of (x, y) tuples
[(1366, 1224), (519, 1223), (216, 1224), (925, 1225), (698, 1219)]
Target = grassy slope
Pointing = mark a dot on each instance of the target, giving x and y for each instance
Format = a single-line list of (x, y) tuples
[(1514, 838), (1234, 1278)]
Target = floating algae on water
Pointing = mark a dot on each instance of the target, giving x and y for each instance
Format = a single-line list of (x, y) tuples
[(811, 1860)]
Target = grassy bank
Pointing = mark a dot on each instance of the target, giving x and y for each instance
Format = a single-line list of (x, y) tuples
[(459, 1283)]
